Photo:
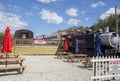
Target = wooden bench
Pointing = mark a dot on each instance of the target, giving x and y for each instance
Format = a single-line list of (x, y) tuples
[(9, 55), (70, 57), (62, 54), (81, 57), (87, 64), (13, 68), (15, 60), (12, 60)]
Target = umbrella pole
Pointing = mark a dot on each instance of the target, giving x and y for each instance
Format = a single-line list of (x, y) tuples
[(6, 59)]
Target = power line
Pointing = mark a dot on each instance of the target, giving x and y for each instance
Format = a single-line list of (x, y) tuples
[(53, 7), (62, 9), (49, 6), (19, 5)]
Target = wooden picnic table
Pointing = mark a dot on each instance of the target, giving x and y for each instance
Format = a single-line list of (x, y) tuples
[(9, 55), (15, 59), (77, 57), (62, 54), (80, 57)]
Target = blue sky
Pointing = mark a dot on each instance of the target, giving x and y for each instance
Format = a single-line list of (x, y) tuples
[(48, 16)]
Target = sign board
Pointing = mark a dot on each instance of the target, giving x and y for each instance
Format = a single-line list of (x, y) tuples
[(114, 66), (38, 41)]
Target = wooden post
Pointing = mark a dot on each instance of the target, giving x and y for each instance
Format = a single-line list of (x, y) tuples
[(14, 45)]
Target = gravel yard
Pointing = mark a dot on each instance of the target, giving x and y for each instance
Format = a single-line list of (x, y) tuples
[(49, 68)]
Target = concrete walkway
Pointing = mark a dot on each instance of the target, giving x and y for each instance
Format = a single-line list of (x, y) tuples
[(49, 68)]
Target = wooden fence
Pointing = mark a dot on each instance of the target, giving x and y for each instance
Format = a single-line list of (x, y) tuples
[(106, 68)]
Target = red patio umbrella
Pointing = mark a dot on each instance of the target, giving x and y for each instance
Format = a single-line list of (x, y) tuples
[(7, 42), (65, 45)]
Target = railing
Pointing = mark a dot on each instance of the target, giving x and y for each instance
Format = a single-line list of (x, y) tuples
[(22, 42), (106, 68)]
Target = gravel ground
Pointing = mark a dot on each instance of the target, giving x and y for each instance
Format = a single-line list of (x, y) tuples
[(49, 68)]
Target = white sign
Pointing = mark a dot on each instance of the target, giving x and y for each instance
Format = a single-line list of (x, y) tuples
[(38, 41), (114, 67)]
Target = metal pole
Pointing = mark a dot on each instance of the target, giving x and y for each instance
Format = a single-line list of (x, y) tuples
[(116, 23), (94, 70), (116, 20)]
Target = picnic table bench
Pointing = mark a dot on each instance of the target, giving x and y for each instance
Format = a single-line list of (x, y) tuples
[(17, 59), (87, 62), (11, 62), (13, 68), (80, 57), (9, 55), (77, 57), (62, 54)]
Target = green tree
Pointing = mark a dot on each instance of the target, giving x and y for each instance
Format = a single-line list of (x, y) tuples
[(1, 38), (110, 22)]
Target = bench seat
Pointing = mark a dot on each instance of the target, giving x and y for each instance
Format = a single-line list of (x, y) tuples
[(81, 57), (12, 59), (12, 67), (9, 55), (87, 64)]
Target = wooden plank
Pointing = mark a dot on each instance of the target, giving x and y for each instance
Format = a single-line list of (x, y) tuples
[(87, 63), (80, 55), (70, 57), (62, 54), (12, 67), (82, 59), (9, 55), (10, 63), (12, 59)]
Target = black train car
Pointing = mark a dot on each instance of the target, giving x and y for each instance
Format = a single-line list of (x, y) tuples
[(86, 42), (70, 38), (23, 37), (23, 33)]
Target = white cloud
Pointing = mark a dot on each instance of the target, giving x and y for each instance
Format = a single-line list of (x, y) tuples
[(108, 12), (72, 12), (73, 22), (51, 17), (1, 6), (11, 20), (46, 1), (94, 5), (86, 19)]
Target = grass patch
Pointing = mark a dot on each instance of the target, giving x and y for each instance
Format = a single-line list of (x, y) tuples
[(44, 50)]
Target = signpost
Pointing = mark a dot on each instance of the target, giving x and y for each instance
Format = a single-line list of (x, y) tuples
[(114, 66)]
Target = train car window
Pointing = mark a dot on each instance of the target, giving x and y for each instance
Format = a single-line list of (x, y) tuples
[(114, 34), (70, 44)]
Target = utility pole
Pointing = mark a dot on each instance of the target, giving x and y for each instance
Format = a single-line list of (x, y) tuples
[(116, 21), (43, 36)]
